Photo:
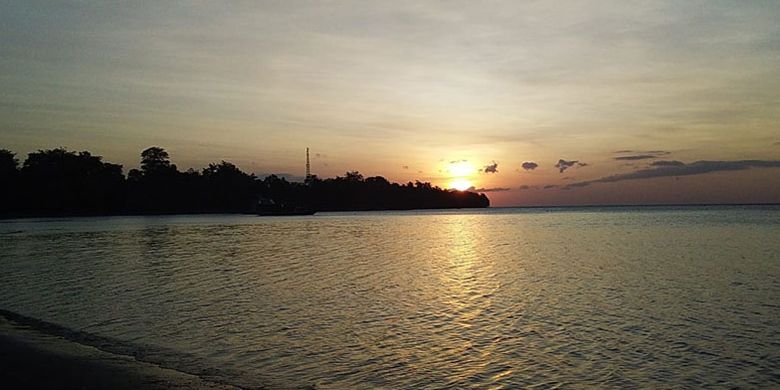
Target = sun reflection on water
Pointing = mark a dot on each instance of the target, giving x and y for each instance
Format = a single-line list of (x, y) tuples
[(466, 287)]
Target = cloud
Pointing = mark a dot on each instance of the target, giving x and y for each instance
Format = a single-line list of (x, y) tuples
[(530, 165), (492, 168), (494, 189), (677, 168), (563, 165), (458, 161), (524, 187), (640, 155), (656, 152), (549, 186), (636, 157), (667, 163), (405, 166)]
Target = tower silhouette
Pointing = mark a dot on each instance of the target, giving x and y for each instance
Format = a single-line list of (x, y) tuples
[(308, 165)]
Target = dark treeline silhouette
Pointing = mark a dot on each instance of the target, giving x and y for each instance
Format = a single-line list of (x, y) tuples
[(59, 182)]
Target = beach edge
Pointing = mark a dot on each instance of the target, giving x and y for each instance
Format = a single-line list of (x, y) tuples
[(30, 358)]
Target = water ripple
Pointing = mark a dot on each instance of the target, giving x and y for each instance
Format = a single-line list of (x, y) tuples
[(405, 300)]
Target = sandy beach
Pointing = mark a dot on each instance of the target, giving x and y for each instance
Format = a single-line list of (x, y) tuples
[(32, 359)]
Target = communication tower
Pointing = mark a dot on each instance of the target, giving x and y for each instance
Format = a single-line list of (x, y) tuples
[(308, 165)]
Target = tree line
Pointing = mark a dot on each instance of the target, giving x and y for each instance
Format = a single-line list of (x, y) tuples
[(58, 182)]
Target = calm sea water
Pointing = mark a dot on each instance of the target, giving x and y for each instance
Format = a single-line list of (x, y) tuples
[(500, 298)]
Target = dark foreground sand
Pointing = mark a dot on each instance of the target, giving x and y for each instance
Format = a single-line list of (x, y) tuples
[(33, 360)]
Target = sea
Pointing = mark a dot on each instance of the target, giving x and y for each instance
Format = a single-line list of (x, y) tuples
[(613, 297)]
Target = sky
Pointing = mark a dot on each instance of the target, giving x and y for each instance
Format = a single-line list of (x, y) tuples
[(534, 103)]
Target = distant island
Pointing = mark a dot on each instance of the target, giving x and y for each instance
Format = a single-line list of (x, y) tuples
[(59, 182)]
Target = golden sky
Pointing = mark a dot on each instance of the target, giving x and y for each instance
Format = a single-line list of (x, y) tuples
[(635, 92)]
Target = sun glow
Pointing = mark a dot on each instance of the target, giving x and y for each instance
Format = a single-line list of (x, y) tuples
[(460, 184), (461, 168)]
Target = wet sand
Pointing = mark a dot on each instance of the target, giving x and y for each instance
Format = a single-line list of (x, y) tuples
[(32, 359)]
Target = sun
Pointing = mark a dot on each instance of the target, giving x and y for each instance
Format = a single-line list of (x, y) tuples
[(460, 184), (461, 168), (459, 172)]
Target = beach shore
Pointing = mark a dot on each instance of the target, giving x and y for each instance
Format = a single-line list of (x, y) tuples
[(32, 359)]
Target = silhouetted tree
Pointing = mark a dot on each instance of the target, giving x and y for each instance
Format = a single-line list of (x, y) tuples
[(158, 187), (353, 176), (9, 186), (155, 159), (8, 163), (61, 182), (228, 188), (135, 175), (311, 179), (354, 192)]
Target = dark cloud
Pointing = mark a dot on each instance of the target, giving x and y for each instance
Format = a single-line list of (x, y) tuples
[(524, 187), (492, 168), (457, 161), (677, 168), (777, 143), (549, 186), (658, 152), (563, 165), (405, 166), (530, 165), (636, 157), (580, 184), (640, 155), (495, 189), (667, 163)]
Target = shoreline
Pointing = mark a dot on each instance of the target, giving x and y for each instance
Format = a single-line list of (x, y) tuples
[(30, 358), (6, 217)]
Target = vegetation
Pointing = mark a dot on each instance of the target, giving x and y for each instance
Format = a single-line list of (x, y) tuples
[(60, 182)]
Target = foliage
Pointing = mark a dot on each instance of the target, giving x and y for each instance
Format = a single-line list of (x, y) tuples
[(155, 160), (61, 182)]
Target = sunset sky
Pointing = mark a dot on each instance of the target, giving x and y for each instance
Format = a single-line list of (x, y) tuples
[(538, 103)]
